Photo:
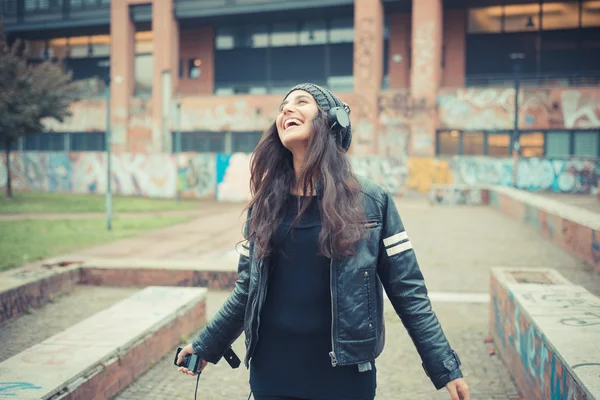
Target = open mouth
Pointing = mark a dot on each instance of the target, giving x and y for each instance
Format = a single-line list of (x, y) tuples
[(290, 123)]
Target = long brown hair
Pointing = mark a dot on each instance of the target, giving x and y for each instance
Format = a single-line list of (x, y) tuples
[(273, 178)]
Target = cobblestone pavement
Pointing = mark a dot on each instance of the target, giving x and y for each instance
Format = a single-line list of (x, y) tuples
[(456, 247), (400, 375), (64, 311)]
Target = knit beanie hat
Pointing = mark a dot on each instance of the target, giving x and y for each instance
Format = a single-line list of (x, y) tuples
[(326, 101)]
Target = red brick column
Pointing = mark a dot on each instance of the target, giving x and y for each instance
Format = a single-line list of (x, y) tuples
[(368, 74), (425, 74), (122, 51), (455, 42), (165, 33), (399, 46)]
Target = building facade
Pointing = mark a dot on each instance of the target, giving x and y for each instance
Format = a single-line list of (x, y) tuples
[(424, 79)]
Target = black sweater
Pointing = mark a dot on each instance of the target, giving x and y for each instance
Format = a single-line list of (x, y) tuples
[(292, 353)]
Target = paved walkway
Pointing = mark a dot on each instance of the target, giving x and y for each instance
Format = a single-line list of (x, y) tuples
[(456, 247)]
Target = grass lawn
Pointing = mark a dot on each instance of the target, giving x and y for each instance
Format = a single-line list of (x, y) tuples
[(29, 202), (31, 240)]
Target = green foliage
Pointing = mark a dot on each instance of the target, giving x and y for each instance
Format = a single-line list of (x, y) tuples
[(30, 93)]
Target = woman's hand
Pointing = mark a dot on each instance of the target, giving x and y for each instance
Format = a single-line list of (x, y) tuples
[(458, 389), (185, 351)]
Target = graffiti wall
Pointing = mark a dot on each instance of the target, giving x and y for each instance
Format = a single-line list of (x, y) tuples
[(494, 108), (533, 174), (132, 174), (536, 364), (226, 176)]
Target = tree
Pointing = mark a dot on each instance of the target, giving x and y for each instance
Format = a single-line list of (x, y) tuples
[(28, 95)]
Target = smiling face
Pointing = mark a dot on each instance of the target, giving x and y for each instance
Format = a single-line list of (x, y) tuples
[(294, 122)]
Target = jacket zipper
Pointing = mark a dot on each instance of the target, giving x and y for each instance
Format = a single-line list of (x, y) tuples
[(252, 316), (334, 360)]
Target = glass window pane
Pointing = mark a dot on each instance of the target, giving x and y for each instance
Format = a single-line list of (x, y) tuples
[(560, 15), (224, 38), (284, 34), (341, 66), (485, 20), (245, 142), (144, 67), (342, 30), (590, 13), (532, 144), (227, 67), (258, 36), (586, 144), (557, 144), (288, 65), (522, 17), (472, 143), (448, 143), (194, 68), (498, 144), (313, 32)]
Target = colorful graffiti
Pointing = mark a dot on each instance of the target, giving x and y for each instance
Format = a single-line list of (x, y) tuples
[(425, 171), (533, 174), (133, 174), (233, 177), (535, 364), (494, 108), (457, 195)]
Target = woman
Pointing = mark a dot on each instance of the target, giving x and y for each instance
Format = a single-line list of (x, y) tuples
[(321, 246)]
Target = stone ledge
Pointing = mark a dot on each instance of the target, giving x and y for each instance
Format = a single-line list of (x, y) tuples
[(25, 288), (458, 194), (546, 333), (573, 213), (574, 229), (103, 354)]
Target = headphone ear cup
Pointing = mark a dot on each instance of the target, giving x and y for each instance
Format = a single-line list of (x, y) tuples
[(339, 118)]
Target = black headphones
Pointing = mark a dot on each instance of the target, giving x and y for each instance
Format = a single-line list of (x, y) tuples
[(340, 117)]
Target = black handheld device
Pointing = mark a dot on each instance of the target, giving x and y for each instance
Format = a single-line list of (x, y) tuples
[(190, 361)]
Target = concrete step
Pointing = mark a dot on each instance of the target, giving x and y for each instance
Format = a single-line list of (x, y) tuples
[(103, 354), (546, 330)]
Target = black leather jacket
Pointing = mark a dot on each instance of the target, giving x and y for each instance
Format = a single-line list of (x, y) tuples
[(385, 261)]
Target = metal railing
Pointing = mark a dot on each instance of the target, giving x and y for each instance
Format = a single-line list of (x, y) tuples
[(535, 80)]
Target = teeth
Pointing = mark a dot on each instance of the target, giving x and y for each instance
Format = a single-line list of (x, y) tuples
[(289, 122)]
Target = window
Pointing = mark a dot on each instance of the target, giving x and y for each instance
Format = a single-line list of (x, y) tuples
[(87, 141), (448, 143), (244, 142), (275, 56), (472, 143), (143, 70), (313, 32), (590, 13), (194, 68), (485, 20), (44, 142), (531, 144), (585, 144), (498, 144), (200, 142), (284, 34), (558, 144)]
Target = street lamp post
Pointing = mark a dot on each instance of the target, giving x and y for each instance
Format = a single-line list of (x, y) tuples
[(515, 134), (108, 141), (178, 144)]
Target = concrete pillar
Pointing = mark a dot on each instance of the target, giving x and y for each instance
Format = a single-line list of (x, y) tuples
[(122, 51), (165, 33), (399, 50), (368, 73), (455, 43), (425, 74)]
